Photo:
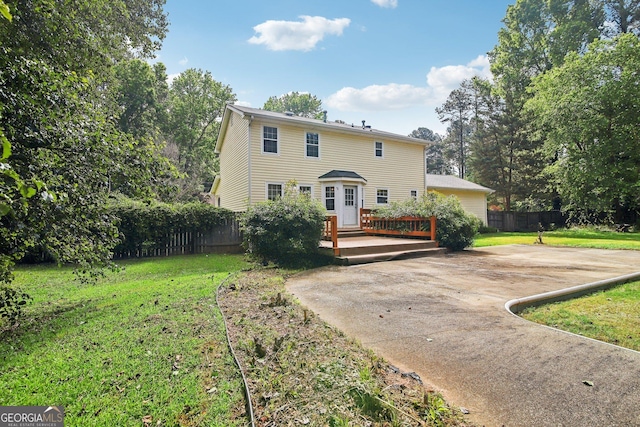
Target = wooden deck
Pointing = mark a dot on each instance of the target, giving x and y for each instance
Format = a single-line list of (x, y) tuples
[(365, 249)]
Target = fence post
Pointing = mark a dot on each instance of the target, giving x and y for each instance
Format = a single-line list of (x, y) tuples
[(433, 228)]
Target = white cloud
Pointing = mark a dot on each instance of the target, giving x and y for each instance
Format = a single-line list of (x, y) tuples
[(304, 35), (172, 77), (386, 3), (440, 82), (378, 97), (183, 61)]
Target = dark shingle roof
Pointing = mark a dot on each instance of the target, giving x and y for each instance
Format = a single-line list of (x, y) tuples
[(341, 174)]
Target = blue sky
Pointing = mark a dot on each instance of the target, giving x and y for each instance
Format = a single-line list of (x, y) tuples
[(389, 62)]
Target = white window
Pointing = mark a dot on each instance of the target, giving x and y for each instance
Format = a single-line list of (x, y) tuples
[(330, 198), (414, 194), (312, 145), (382, 196), (305, 189), (274, 191), (378, 149), (270, 140)]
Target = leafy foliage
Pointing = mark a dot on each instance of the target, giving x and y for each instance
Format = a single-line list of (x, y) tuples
[(196, 103), (285, 231), (149, 224), (455, 228), (300, 104), (11, 303), (589, 110)]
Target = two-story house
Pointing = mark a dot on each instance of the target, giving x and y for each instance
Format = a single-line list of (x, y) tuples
[(345, 166)]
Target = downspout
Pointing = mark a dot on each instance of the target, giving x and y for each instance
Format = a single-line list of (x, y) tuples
[(249, 157)]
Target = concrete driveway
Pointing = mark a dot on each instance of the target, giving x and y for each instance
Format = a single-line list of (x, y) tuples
[(443, 317)]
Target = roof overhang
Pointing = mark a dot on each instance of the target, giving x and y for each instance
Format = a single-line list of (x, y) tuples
[(343, 176)]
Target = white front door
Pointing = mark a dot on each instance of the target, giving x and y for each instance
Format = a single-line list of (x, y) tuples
[(350, 206)]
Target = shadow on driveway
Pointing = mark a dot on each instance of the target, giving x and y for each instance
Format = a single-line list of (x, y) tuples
[(444, 318)]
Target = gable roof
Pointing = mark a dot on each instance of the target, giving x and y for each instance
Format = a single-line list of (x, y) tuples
[(311, 124), (451, 182)]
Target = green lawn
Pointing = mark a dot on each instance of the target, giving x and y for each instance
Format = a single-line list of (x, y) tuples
[(586, 238), (612, 316), (144, 346)]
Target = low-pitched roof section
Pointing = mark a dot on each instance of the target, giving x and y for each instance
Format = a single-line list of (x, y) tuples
[(336, 174), (307, 122), (454, 183)]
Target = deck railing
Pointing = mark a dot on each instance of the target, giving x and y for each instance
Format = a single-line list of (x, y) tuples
[(331, 231), (403, 226)]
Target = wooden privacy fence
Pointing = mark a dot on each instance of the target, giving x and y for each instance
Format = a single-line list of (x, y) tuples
[(525, 221), (224, 238)]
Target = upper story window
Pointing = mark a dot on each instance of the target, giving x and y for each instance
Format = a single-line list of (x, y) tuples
[(312, 145), (378, 149), (270, 140), (382, 196), (274, 191)]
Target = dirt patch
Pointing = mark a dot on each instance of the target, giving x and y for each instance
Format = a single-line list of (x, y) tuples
[(301, 371)]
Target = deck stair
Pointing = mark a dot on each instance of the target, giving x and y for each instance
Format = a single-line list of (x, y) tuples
[(357, 248)]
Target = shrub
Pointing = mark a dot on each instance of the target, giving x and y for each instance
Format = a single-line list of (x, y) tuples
[(148, 225), (455, 228), (285, 231)]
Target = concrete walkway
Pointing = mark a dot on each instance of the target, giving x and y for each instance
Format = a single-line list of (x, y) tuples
[(444, 318)]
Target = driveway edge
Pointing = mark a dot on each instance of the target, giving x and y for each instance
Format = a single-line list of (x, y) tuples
[(515, 306)]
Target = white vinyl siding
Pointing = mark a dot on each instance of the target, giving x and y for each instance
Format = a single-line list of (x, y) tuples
[(401, 169), (233, 190), (474, 202)]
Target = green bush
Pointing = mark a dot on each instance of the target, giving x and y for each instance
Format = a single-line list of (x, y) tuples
[(455, 228), (286, 231), (149, 225)]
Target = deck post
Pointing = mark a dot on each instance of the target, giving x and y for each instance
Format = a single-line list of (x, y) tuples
[(433, 228), (334, 235)]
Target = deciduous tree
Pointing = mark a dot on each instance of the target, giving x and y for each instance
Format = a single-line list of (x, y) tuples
[(300, 104), (589, 111)]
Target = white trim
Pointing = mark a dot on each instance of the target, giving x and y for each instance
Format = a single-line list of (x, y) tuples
[(305, 145), (388, 195), (266, 188), (335, 194), (375, 149), (307, 185), (269, 153)]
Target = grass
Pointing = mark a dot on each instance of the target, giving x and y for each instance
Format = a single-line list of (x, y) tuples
[(144, 346), (612, 316), (584, 238)]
